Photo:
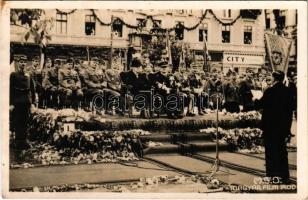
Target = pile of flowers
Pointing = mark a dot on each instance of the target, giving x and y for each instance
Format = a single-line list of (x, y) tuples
[(244, 140), (43, 123), (247, 116), (85, 147), (143, 183)]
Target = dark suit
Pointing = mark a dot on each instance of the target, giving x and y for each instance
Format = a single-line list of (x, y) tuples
[(22, 95), (245, 94), (130, 81), (277, 104)]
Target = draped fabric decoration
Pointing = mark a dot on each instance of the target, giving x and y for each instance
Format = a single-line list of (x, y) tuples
[(224, 23), (66, 12), (243, 14)]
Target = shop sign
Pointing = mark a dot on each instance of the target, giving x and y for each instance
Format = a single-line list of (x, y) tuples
[(243, 59)]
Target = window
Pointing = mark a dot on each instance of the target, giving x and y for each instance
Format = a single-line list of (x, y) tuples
[(179, 31), (141, 23), (225, 34), (247, 34), (267, 20), (156, 23), (90, 25), (227, 13), (117, 28), (282, 18), (268, 23), (203, 33), (61, 23)]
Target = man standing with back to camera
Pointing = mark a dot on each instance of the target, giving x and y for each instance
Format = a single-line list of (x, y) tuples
[(277, 104)]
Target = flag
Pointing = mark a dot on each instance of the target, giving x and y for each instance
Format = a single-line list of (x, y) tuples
[(205, 53), (168, 49), (278, 49)]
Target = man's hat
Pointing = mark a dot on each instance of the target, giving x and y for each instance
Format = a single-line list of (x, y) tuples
[(136, 62), (278, 75)]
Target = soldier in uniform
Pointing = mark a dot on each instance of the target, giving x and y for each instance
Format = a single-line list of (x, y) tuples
[(50, 83), (188, 94), (197, 89), (158, 81), (231, 95), (38, 75), (173, 85), (113, 90), (245, 94), (69, 85), (22, 96), (93, 84)]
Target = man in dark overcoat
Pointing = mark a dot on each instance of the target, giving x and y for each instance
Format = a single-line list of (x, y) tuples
[(22, 96), (277, 106)]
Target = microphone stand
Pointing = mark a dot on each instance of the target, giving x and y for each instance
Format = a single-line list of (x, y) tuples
[(217, 164)]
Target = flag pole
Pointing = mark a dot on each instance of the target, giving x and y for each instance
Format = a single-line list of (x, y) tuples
[(111, 43), (286, 67), (205, 53)]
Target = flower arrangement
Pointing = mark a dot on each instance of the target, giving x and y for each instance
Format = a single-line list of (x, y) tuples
[(244, 140)]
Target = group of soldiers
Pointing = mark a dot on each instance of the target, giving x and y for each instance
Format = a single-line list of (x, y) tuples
[(74, 83)]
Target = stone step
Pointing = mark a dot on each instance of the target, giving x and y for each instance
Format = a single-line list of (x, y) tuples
[(184, 148), (177, 137)]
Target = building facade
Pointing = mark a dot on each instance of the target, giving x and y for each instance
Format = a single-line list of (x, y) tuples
[(239, 46)]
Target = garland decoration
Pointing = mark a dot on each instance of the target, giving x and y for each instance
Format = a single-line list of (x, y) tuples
[(67, 13), (99, 20), (224, 23), (151, 18)]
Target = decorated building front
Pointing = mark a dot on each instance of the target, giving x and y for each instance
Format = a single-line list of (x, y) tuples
[(217, 35)]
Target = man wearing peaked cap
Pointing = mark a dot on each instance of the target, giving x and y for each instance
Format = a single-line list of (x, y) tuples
[(22, 96), (277, 104), (50, 83), (69, 85)]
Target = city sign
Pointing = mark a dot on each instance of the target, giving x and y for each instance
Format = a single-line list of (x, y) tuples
[(243, 59)]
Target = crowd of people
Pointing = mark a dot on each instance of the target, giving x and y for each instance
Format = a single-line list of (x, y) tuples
[(74, 84), (175, 93)]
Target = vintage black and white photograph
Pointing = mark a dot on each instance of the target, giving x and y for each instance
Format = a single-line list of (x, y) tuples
[(153, 100)]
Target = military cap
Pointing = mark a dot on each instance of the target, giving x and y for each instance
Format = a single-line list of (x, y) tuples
[(57, 61), (77, 61), (22, 58), (94, 59), (36, 58), (69, 60), (48, 59)]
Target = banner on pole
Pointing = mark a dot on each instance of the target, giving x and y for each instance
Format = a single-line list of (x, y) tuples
[(278, 49), (205, 54)]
